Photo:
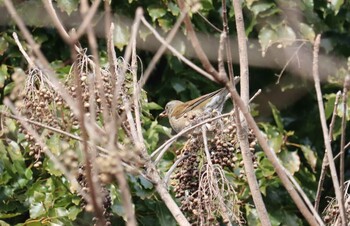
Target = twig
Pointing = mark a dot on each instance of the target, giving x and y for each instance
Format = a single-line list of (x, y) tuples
[(163, 148), (306, 199), (242, 49), (163, 47), (343, 134), (46, 150), (325, 159), (136, 91), (176, 53), (198, 48), (28, 59), (93, 47), (91, 175), (255, 95), (271, 155), (242, 127), (337, 191), (56, 21), (87, 20), (44, 64), (172, 168), (288, 62), (212, 179)]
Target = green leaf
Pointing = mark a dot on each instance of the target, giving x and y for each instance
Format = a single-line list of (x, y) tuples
[(179, 85), (309, 155), (307, 32), (73, 212), (37, 210), (155, 12), (267, 36), (3, 45), (145, 183), (250, 2), (3, 75), (152, 106), (290, 160), (276, 142), (261, 7), (267, 168), (329, 105), (277, 117), (121, 36), (336, 5), (3, 223), (165, 24), (173, 8), (68, 6), (286, 35)]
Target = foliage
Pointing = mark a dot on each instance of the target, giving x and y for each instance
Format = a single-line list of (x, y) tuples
[(36, 194)]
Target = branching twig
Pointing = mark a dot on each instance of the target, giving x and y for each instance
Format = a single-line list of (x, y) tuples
[(163, 47), (198, 48), (176, 53)]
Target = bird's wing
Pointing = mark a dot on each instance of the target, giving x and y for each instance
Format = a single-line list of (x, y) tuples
[(192, 104)]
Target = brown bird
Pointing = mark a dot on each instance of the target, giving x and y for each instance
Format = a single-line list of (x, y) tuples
[(181, 114)]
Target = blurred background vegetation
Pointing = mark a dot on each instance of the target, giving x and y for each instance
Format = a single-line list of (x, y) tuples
[(280, 37)]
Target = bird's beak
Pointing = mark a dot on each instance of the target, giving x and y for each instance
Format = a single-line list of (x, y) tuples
[(163, 114)]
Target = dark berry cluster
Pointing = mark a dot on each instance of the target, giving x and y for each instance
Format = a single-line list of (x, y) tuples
[(225, 155)]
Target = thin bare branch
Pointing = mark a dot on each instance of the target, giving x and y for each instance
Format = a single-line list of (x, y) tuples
[(56, 21), (242, 127), (176, 53), (87, 20), (163, 47), (271, 155), (306, 199), (325, 159), (327, 143), (172, 168), (343, 133), (163, 148), (198, 48)]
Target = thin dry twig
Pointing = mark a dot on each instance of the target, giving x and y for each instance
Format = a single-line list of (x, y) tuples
[(164, 147), (325, 160), (172, 168), (163, 47), (198, 48), (272, 157), (56, 21), (306, 199), (343, 133), (327, 143), (208, 184), (288, 62), (177, 53), (242, 127), (44, 64)]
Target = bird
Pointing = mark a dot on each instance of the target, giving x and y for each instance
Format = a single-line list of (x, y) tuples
[(182, 114)]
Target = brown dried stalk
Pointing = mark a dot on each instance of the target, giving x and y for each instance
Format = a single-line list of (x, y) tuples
[(327, 143), (242, 127), (325, 160)]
